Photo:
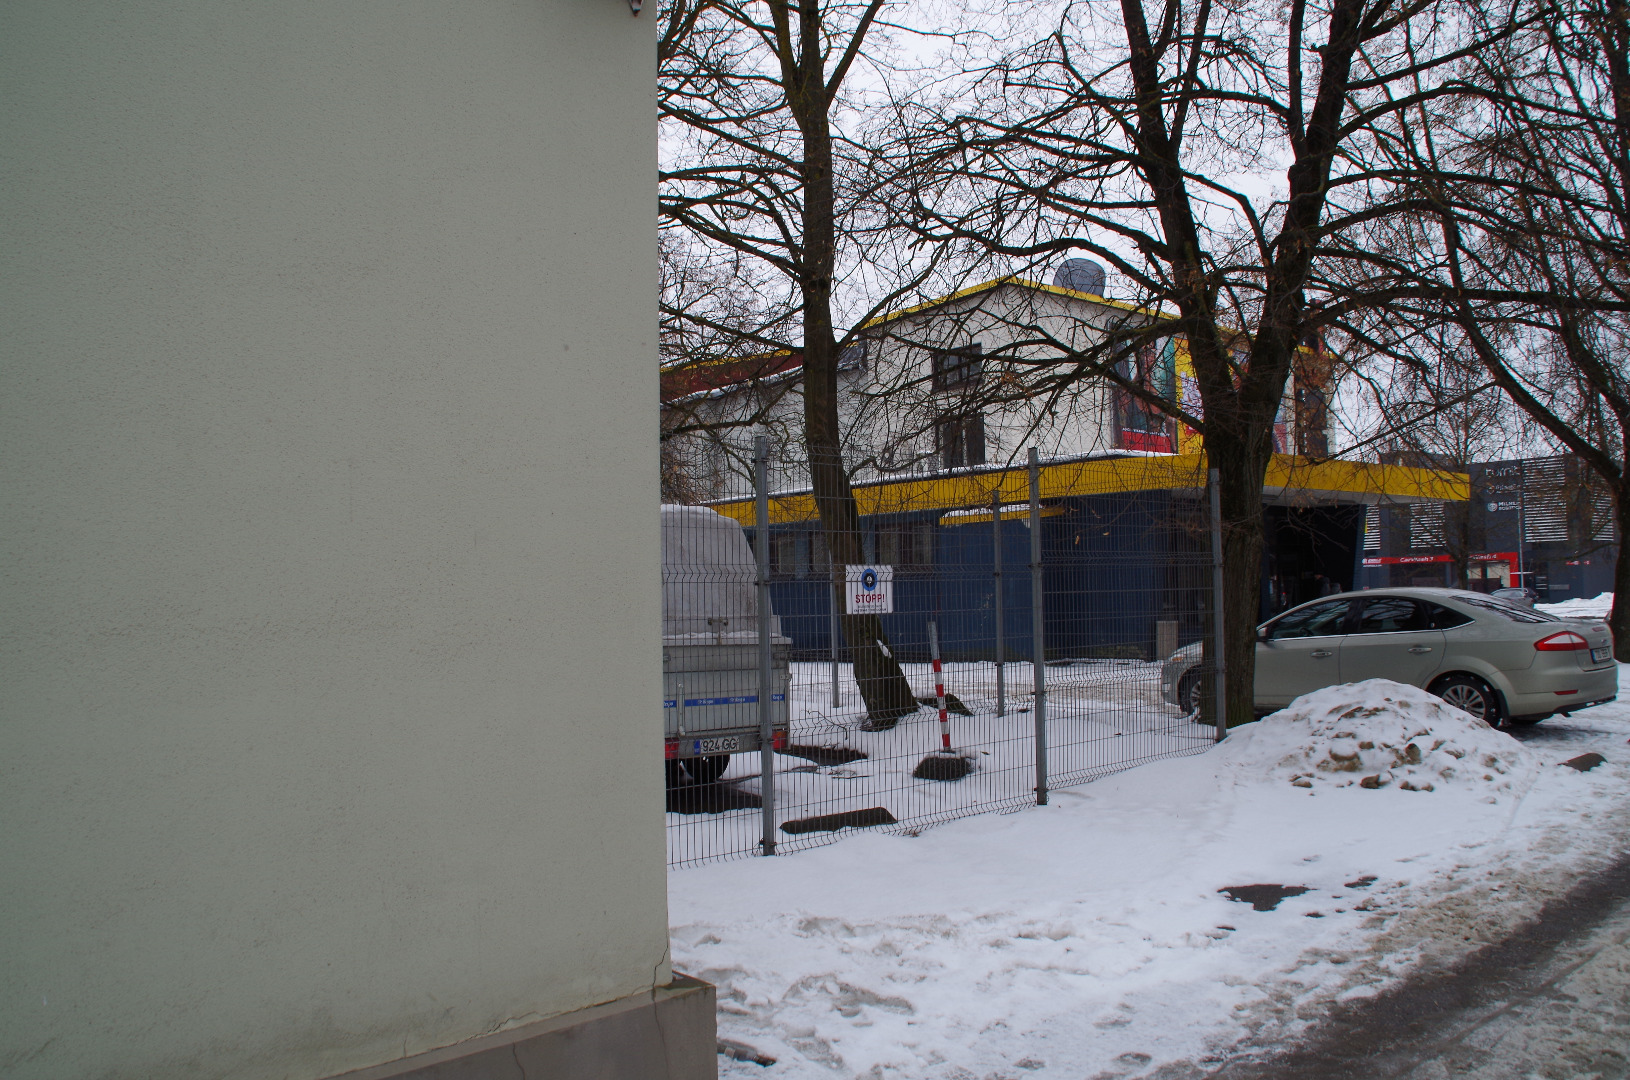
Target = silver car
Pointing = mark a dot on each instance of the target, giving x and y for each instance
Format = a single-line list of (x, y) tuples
[(1499, 661)]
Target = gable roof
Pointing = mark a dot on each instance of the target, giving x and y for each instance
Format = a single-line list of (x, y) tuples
[(699, 377), (996, 283)]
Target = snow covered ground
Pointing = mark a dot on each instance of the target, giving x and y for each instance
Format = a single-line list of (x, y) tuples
[(1091, 938), (1103, 715)]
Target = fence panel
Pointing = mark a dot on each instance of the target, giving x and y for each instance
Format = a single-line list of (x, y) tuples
[(1125, 580)]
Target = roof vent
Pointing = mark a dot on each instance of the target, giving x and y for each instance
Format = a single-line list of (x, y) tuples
[(1080, 275)]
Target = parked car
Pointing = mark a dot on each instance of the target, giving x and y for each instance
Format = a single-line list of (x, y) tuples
[(1520, 596), (1501, 662), (710, 676)]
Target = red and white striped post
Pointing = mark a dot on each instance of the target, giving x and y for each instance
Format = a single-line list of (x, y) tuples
[(939, 686)]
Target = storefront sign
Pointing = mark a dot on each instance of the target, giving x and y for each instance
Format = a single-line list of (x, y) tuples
[(1411, 560)]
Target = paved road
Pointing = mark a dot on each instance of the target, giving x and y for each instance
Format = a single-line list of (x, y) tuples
[(1552, 1002)]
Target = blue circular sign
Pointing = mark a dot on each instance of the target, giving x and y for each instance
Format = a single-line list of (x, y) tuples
[(868, 579)]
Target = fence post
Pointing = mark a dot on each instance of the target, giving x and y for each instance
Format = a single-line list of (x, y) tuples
[(996, 573), (1038, 648), (766, 644), (1220, 675), (834, 594)]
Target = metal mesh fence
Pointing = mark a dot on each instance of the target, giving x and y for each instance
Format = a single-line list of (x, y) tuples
[(1124, 574)]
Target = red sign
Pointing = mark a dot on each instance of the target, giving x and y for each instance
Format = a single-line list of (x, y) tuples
[(1146, 440), (1411, 560)]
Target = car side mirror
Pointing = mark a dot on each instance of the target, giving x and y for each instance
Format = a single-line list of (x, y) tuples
[(1262, 634)]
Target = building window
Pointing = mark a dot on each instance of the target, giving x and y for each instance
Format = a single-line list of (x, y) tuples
[(957, 368), (960, 441), (784, 560), (1138, 424), (906, 544), (1601, 525), (1545, 501), (1426, 526)]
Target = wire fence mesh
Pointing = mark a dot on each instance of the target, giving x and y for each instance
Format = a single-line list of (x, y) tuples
[(1124, 574)]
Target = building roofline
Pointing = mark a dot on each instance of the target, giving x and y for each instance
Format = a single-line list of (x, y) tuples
[(1012, 279), (1290, 479)]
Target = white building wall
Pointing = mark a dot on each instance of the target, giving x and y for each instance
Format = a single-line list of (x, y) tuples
[(889, 407), (1006, 322), (327, 708)]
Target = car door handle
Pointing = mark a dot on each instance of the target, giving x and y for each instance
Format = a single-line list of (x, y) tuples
[(1320, 654), (1420, 649)]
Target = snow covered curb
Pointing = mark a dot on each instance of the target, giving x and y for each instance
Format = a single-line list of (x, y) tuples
[(1090, 937)]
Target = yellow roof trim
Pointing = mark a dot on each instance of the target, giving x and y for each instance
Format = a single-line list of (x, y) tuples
[(996, 283), (1361, 482)]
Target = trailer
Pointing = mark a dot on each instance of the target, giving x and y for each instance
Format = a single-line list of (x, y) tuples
[(710, 643)]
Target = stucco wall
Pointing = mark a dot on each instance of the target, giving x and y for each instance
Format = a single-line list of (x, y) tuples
[(327, 725)]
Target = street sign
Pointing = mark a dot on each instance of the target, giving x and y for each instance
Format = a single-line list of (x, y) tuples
[(870, 590)]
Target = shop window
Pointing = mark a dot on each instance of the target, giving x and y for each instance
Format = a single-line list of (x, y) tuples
[(906, 545), (784, 554), (1138, 424)]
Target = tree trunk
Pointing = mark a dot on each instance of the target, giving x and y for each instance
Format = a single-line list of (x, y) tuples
[(882, 684), (1241, 469), (1618, 620)]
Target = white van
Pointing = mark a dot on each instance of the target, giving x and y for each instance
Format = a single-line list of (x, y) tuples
[(710, 646)]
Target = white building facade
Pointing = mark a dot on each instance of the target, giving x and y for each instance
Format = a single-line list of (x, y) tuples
[(332, 625), (974, 379)]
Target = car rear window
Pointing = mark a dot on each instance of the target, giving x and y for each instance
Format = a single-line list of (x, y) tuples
[(1442, 618), (1509, 611)]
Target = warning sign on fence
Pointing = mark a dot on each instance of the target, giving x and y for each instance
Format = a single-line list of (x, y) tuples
[(870, 589)]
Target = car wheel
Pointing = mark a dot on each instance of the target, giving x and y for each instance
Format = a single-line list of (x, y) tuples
[(1473, 696), (707, 770), (1190, 694)]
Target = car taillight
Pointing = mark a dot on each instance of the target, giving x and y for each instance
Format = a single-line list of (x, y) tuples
[(1566, 641)]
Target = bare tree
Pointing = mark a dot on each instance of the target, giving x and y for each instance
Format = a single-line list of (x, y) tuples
[(724, 323), (1220, 158), (1437, 408), (768, 162), (1526, 248)]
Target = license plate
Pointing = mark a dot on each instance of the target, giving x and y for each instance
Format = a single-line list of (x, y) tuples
[(717, 746), (1600, 656)]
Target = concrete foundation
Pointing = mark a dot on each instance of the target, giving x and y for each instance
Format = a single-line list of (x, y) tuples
[(666, 1034)]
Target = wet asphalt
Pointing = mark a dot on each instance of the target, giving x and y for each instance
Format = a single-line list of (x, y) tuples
[(1552, 1001)]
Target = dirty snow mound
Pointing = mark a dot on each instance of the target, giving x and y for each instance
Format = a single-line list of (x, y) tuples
[(1378, 734)]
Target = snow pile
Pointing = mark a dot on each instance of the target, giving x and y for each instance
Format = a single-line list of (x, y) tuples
[(1595, 608), (1096, 936), (1377, 734)]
